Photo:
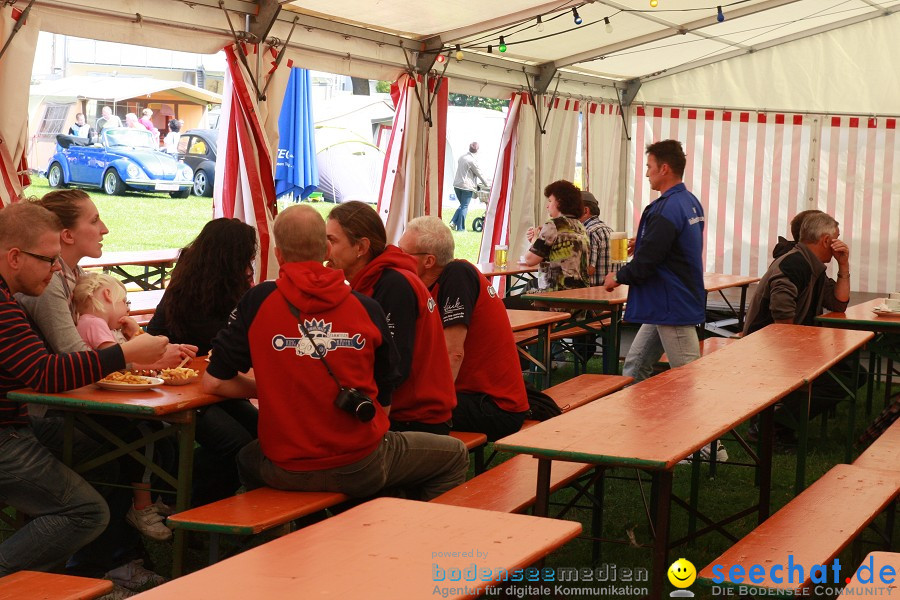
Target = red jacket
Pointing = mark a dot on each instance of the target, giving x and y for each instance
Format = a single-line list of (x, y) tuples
[(427, 393)]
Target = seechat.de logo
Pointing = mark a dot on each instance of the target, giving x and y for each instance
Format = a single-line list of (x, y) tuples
[(682, 574)]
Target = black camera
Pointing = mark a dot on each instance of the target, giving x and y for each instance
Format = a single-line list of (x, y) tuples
[(356, 403)]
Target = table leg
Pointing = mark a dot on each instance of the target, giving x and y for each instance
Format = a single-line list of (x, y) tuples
[(742, 311), (851, 425), (544, 347), (597, 516), (662, 491), (767, 440), (542, 497), (610, 345), (870, 381), (183, 490), (802, 441)]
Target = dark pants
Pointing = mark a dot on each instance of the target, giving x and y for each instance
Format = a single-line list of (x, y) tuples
[(459, 217), (222, 430), (479, 413)]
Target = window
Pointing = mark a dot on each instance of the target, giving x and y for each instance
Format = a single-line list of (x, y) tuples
[(54, 120), (182, 144), (198, 146)]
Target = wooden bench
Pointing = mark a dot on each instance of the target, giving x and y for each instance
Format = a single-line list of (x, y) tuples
[(251, 513), (883, 453), (510, 486), (813, 529), (581, 390), (50, 586)]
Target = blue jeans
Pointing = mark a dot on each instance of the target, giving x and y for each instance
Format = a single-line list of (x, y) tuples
[(459, 217), (66, 511), (679, 342)]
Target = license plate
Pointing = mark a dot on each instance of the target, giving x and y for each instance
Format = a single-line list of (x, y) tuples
[(166, 187)]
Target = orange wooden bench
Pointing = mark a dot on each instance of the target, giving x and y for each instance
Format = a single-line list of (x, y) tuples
[(883, 453), (251, 513), (510, 486), (813, 528), (50, 586), (581, 390)]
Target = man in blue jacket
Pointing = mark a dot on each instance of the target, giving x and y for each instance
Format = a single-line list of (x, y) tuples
[(665, 277)]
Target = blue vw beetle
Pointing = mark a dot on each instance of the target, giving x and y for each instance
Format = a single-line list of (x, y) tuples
[(125, 159)]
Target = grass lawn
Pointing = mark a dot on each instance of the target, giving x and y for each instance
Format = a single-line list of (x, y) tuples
[(138, 221)]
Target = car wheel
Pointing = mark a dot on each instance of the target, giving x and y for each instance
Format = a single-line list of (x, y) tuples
[(55, 176), (202, 183), (181, 193), (112, 185)]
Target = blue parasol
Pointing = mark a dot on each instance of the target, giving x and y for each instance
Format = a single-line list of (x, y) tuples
[(296, 172)]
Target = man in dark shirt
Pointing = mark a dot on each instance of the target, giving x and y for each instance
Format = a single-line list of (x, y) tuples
[(66, 512), (490, 391)]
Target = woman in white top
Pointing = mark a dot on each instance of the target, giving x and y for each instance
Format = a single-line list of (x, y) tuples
[(171, 139)]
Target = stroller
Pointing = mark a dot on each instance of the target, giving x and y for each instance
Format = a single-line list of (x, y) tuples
[(482, 195)]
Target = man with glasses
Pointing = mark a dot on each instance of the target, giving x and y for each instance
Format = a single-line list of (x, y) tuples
[(66, 512), (490, 391)]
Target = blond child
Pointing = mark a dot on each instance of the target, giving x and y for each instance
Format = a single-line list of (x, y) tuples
[(102, 306)]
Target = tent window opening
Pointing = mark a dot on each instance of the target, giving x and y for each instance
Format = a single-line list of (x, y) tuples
[(54, 120)]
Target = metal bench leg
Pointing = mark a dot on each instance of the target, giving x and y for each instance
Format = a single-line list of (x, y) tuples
[(213, 548)]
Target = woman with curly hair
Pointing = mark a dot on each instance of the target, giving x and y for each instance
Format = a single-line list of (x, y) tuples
[(211, 275)]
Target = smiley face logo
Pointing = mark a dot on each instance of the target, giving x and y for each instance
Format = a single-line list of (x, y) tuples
[(682, 573)]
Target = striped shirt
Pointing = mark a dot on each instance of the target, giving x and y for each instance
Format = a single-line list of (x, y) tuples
[(25, 361), (598, 256)]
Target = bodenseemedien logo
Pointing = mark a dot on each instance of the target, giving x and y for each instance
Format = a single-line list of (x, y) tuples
[(682, 575)]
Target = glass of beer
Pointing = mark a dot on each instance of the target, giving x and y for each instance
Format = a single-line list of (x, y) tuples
[(618, 247), (500, 252)]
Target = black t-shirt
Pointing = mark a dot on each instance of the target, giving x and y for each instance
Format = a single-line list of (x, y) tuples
[(398, 301)]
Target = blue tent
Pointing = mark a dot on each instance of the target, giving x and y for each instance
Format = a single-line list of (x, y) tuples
[(296, 172)]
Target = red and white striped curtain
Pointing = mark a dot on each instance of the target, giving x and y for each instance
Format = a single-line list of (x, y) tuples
[(601, 151), (753, 171), (859, 184), (412, 179), (511, 206), (244, 184), (15, 73)]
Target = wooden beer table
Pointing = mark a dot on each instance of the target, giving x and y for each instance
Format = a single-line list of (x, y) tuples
[(542, 321), (523, 274), (175, 405), (387, 548), (715, 282), (155, 263), (588, 306)]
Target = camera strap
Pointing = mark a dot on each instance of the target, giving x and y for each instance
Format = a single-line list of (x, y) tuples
[(316, 350)]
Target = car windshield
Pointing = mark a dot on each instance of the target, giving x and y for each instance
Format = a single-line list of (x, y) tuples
[(129, 137)]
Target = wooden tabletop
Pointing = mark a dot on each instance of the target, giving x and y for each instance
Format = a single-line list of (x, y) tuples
[(862, 317), (713, 282), (386, 548), (596, 295), (136, 257), (145, 302), (655, 423), (521, 320), (836, 506), (874, 562), (163, 400), (491, 270), (786, 350)]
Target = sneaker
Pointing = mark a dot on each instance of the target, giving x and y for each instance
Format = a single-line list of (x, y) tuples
[(134, 576), (162, 508), (149, 523), (721, 454)]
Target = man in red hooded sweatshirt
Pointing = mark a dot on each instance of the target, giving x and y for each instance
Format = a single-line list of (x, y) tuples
[(325, 368), (424, 398)]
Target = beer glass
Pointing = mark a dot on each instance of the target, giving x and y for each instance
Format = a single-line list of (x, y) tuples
[(500, 252)]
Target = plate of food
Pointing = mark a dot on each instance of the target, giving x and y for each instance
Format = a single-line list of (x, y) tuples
[(884, 311), (128, 382), (179, 376)]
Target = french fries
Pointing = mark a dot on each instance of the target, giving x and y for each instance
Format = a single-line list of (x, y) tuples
[(119, 377), (179, 374)]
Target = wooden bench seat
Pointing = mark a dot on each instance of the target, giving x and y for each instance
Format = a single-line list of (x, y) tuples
[(471, 439), (884, 453), (254, 511), (581, 390), (813, 528), (50, 586), (510, 486), (707, 346), (530, 336)]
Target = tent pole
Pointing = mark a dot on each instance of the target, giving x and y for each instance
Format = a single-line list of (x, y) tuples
[(538, 164)]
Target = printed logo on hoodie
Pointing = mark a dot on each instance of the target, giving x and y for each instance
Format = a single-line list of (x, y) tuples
[(321, 341)]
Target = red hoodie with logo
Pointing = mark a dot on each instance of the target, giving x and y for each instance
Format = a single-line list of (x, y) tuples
[(427, 393), (300, 428)]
